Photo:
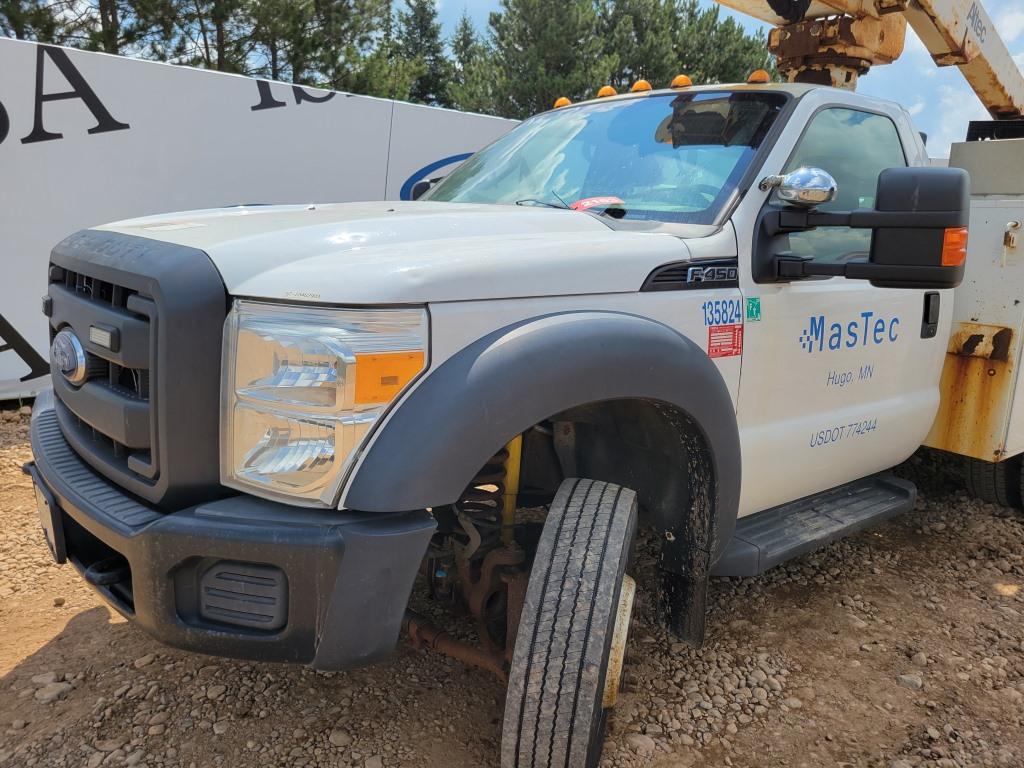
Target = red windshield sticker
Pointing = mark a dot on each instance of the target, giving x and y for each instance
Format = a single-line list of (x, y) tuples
[(597, 202), (725, 340)]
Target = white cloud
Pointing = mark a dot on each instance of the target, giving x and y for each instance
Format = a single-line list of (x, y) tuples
[(916, 108), (912, 44), (915, 52), (957, 106), (1011, 25)]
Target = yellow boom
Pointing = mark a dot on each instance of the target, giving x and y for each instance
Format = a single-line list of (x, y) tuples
[(834, 41)]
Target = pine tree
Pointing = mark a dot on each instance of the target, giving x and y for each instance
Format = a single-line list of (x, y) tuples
[(30, 20), (140, 28), (384, 71), (215, 34), (472, 83), (419, 38), (464, 44), (637, 36), (347, 33), (712, 50), (544, 49), (284, 39)]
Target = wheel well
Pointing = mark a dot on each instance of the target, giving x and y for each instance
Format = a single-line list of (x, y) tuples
[(650, 446)]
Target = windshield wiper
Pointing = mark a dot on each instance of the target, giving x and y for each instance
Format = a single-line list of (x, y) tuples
[(545, 203)]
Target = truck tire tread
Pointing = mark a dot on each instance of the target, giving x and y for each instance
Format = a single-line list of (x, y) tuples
[(553, 713), (996, 483)]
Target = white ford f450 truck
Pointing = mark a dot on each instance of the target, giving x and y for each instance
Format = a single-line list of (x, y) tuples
[(720, 312)]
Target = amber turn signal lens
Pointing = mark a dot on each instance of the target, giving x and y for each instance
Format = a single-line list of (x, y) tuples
[(606, 90), (681, 81), (640, 85), (759, 77), (954, 246), (380, 377)]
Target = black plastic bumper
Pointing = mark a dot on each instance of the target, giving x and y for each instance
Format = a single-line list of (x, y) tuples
[(238, 577)]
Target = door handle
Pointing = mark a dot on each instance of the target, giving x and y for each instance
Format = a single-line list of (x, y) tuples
[(930, 315)]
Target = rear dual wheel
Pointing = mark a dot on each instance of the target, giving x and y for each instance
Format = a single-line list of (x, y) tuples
[(568, 661), (996, 483)]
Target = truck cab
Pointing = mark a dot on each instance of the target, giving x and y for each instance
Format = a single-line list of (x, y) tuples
[(718, 312)]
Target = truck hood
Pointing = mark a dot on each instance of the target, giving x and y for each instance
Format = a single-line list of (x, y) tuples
[(412, 252)]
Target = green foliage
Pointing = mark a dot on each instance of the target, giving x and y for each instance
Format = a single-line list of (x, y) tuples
[(544, 49), (638, 38), (285, 43), (711, 50), (383, 71), (532, 52), (30, 20), (419, 40), (474, 82)]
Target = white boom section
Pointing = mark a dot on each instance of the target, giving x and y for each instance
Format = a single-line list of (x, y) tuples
[(955, 32)]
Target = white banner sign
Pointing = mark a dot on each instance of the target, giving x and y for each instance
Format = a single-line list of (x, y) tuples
[(87, 138)]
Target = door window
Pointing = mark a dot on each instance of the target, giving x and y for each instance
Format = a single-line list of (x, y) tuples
[(854, 147)]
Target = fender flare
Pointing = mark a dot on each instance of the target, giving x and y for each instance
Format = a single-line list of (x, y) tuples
[(472, 404)]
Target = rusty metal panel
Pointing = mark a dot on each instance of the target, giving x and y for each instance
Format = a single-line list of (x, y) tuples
[(976, 388), (981, 413), (834, 51), (955, 32)]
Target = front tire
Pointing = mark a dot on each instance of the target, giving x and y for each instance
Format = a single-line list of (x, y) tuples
[(566, 669)]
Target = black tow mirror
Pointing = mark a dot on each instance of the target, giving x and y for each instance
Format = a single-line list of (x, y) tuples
[(919, 233), (421, 187)]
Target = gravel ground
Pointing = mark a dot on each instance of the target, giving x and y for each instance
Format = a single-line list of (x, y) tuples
[(903, 646)]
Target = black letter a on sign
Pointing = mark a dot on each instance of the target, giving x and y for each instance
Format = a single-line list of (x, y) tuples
[(79, 90)]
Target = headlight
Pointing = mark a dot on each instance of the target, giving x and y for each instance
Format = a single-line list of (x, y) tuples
[(302, 387)]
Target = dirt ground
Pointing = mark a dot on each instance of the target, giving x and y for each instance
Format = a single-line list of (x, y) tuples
[(902, 646)]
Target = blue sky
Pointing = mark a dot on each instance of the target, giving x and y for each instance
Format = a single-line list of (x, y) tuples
[(939, 98)]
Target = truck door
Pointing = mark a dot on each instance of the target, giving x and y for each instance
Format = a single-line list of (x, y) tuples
[(837, 381)]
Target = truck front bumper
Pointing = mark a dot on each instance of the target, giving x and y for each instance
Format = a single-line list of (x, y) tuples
[(240, 576)]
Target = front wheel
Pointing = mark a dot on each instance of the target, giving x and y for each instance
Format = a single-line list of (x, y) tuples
[(568, 659)]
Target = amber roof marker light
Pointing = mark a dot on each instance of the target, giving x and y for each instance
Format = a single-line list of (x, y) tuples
[(640, 85), (681, 81), (759, 77), (562, 101), (606, 91)]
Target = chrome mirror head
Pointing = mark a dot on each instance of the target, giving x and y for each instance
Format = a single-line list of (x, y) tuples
[(805, 187)]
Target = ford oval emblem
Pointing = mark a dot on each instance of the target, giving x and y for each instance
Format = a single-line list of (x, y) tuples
[(69, 358)]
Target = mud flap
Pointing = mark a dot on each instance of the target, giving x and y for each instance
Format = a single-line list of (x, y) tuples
[(684, 606)]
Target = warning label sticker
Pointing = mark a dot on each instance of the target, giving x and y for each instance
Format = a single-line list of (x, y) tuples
[(725, 340)]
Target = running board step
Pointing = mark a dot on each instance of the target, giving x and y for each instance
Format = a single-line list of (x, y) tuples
[(765, 539)]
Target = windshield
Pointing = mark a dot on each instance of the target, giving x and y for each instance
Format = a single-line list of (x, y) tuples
[(668, 157)]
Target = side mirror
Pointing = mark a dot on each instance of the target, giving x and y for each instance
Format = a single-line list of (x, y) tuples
[(805, 187), (924, 242), (420, 188), (919, 233)]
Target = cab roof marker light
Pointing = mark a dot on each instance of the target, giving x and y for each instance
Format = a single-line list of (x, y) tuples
[(759, 77), (681, 81), (640, 85), (606, 91), (562, 101)]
